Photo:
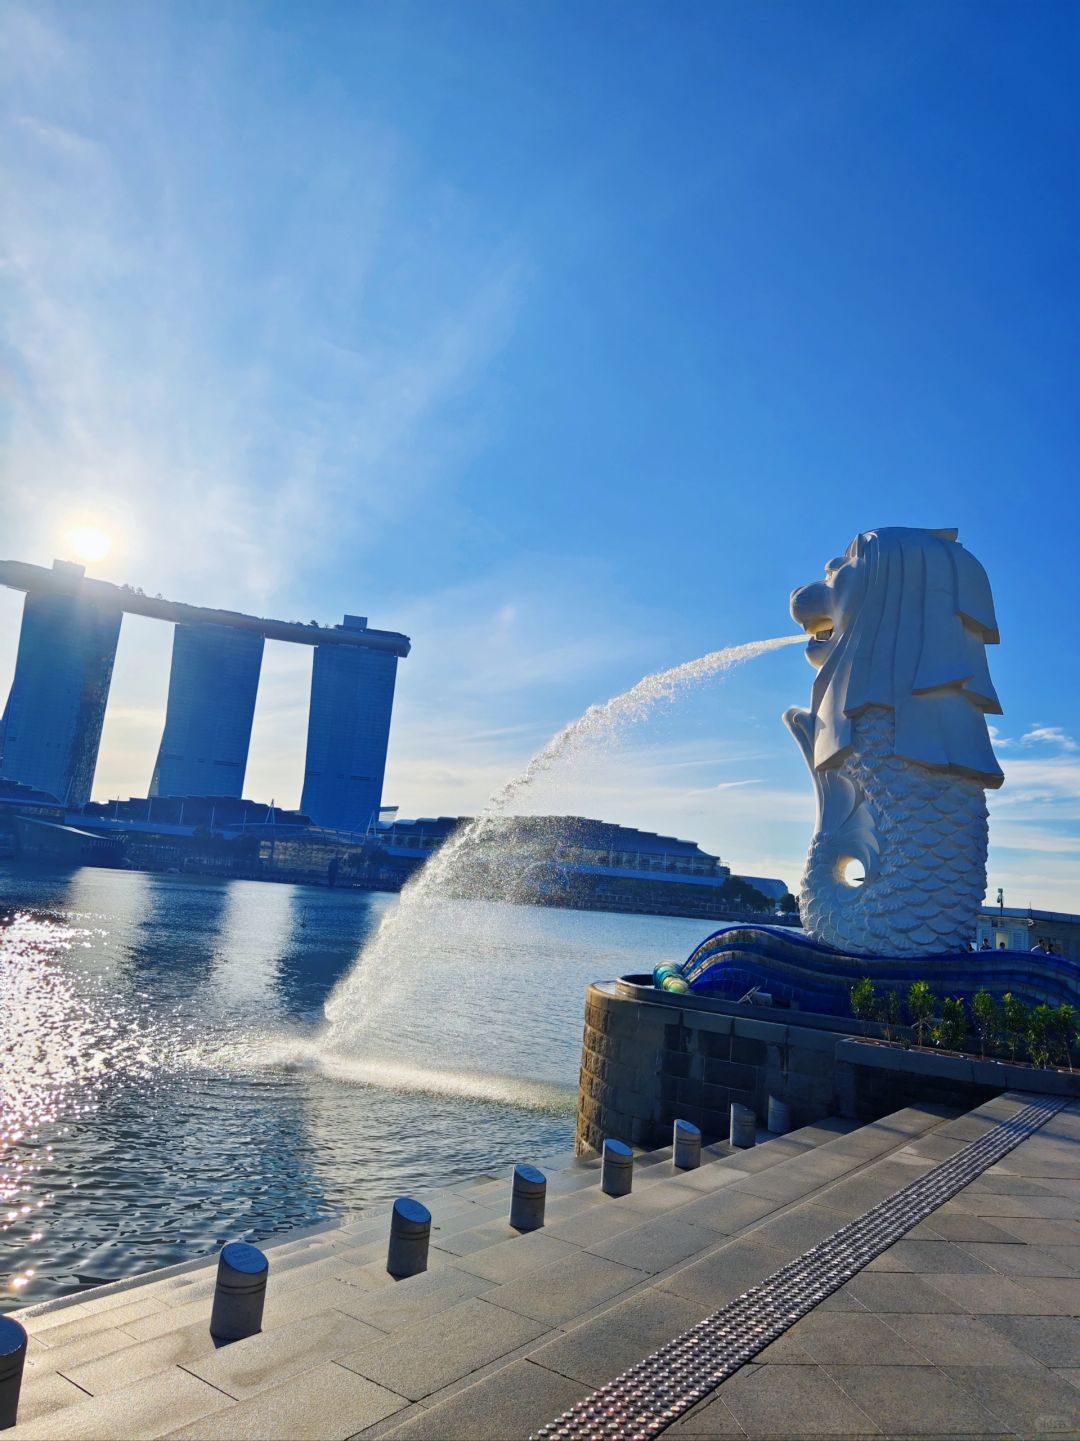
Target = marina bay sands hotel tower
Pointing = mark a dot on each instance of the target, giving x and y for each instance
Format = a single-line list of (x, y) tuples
[(51, 727)]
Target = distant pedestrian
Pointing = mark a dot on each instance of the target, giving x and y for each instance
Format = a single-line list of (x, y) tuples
[(1039, 948), (985, 946), (1001, 945)]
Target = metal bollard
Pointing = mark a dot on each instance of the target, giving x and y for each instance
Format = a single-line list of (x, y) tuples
[(527, 1198), (410, 1232), (12, 1356), (779, 1116), (743, 1126), (239, 1293), (686, 1146), (617, 1170)]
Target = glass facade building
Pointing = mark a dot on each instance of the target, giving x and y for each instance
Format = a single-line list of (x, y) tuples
[(213, 683), (51, 728), (352, 696)]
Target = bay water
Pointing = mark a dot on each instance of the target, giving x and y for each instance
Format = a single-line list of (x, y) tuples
[(165, 1086)]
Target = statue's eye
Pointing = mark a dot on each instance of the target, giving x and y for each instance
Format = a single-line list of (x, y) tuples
[(834, 565)]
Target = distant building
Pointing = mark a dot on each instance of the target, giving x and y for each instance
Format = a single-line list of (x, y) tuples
[(23, 802), (770, 888), (593, 847), (184, 815), (213, 683), (51, 727), (1021, 929), (583, 863), (16, 797), (33, 823), (352, 697), (563, 861)]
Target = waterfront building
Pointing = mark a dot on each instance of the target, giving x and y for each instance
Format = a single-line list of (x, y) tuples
[(18, 801), (590, 846), (184, 815), (586, 864), (1022, 928), (213, 682), (51, 727), (770, 888), (566, 861), (35, 824), (352, 697)]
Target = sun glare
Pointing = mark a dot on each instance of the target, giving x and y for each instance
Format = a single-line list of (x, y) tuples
[(88, 543)]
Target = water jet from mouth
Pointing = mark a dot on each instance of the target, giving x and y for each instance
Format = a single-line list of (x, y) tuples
[(484, 852)]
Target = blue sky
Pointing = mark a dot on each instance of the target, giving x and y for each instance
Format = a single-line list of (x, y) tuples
[(565, 337)]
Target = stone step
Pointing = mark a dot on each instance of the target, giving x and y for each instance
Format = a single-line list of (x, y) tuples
[(464, 1221), (531, 1386), (657, 1185), (664, 1274), (490, 1297)]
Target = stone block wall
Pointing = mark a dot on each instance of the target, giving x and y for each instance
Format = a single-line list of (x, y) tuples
[(649, 1058), (645, 1064)]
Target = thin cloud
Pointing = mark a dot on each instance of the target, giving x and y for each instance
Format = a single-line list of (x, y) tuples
[(1050, 779), (1038, 735), (1049, 735), (241, 406)]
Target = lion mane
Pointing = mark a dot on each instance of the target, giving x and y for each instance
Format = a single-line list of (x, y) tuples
[(913, 640)]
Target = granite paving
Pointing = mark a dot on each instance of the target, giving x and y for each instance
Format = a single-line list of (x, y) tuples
[(328, 1400), (597, 1351), (968, 1325), (511, 1404), (152, 1406), (936, 1345), (425, 1357), (791, 1401)]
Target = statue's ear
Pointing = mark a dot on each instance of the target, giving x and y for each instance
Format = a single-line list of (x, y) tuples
[(974, 602), (948, 534)]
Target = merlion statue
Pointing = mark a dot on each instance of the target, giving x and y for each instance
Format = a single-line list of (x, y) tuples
[(897, 743)]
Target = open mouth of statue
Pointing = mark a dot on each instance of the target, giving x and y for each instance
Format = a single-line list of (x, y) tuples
[(819, 630)]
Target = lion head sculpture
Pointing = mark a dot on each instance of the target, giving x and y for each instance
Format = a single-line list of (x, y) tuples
[(901, 621)]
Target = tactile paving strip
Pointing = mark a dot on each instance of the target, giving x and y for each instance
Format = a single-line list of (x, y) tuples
[(647, 1398)]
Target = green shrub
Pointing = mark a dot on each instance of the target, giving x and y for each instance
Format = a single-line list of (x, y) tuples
[(921, 1003), (1062, 1033), (1014, 1019), (889, 1012), (951, 1030), (987, 1016), (864, 1002), (1040, 1021)]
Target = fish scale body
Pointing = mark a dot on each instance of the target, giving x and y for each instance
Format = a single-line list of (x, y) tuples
[(922, 837)]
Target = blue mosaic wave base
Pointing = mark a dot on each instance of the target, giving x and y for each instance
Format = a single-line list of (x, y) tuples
[(814, 977)]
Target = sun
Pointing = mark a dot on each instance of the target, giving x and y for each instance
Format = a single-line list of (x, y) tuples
[(89, 543)]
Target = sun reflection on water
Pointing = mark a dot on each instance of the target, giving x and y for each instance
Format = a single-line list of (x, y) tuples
[(66, 1037)]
